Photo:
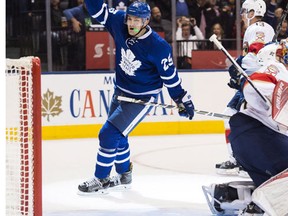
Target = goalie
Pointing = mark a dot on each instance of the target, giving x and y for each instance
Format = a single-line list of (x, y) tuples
[(259, 137), (257, 34)]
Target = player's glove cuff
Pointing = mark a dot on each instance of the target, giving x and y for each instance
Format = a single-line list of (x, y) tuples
[(185, 105)]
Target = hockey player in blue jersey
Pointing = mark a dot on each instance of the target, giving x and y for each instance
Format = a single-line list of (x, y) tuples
[(143, 65)]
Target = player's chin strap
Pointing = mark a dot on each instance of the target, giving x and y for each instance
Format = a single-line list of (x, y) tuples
[(200, 112), (138, 30), (248, 19), (214, 39)]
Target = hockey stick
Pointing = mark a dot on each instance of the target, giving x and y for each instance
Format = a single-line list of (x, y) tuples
[(213, 39), (201, 112), (283, 17)]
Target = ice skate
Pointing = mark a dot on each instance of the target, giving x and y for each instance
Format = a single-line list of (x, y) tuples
[(252, 210), (94, 186), (227, 168), (243, 173), (219, 196), (228, 198), (121, 181)]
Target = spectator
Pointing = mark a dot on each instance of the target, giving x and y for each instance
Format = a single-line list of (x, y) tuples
[(197, 10), (283, 31), (228, 22), (273, 13), (165, 6), (185, 43), (74, 3), (219, 32), (56, 25), (56, 13), (212, 16), (161, 25), (181, 8), (25, 27), (282, 3), (80, 19)]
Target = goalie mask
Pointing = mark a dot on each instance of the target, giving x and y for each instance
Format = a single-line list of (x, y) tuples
[(276, 52)]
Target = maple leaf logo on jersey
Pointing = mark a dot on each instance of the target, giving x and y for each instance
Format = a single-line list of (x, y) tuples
[(128, 63)]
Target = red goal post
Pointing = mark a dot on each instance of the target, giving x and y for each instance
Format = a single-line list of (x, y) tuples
[(23, 137)]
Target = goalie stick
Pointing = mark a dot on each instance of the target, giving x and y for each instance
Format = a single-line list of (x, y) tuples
[(213, 39), (201, 112)]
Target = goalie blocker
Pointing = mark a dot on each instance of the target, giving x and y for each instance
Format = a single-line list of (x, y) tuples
[(280, 103)]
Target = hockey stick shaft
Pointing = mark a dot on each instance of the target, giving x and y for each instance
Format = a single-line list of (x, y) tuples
[(278, 29), (213, 39), (201, 112)]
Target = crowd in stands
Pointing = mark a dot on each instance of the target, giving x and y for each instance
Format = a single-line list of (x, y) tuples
[(196, 20)]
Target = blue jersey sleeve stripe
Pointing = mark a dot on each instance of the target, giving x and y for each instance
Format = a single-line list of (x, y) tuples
[(173, 84), (99, 13), (170, 77), (105, 17)]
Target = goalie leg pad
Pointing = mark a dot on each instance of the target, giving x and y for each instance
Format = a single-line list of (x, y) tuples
[(272, 195), (228, 198)]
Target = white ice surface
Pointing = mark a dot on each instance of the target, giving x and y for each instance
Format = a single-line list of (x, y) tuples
[(168, 175)]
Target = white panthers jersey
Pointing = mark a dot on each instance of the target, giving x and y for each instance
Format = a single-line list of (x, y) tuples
[(259, 32), (255, 37), (265, 80), (276, 69)]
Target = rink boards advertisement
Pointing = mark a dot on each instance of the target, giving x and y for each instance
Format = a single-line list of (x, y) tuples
[(76, 105)]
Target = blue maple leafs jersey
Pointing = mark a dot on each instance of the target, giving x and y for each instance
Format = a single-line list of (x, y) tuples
[(143, 64)]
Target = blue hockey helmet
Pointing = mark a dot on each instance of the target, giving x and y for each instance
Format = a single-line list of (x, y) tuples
[(139, 9)]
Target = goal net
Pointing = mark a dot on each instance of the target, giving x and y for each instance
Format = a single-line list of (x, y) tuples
[(23, 137)]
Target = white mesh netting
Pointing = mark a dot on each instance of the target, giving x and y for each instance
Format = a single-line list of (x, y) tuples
[(19, 131)]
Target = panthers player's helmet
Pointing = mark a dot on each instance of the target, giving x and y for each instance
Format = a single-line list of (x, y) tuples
[(259, 7), (277, 52), (139, 9)]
